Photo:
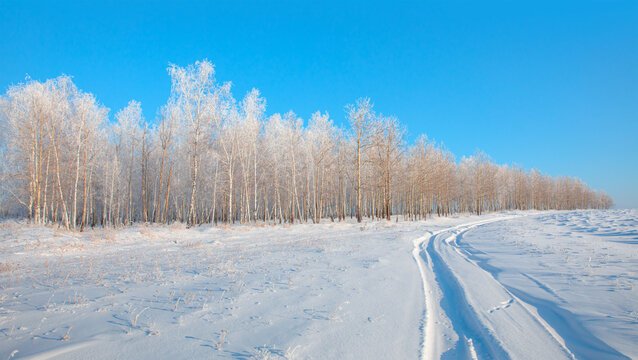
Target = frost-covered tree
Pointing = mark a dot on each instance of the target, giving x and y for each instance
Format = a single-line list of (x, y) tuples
[(252, 110), (208, 158), (363, 126), (193, 90), (129, 131), (387, 150), (320, 140)]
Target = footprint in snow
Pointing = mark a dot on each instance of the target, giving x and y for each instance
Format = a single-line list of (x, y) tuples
[(502, 305)]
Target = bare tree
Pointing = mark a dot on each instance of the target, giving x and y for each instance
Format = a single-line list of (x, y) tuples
[(320, 138), (362, 123), (193, 91), (388, 148), (62, 162)]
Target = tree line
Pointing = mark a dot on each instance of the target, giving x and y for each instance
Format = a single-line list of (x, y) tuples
[(209, 158)]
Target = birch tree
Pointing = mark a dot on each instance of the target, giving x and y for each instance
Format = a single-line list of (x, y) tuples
[(363, 126), (388, 148), (63, 162), (129, 129), (321, 144), (192, 90)]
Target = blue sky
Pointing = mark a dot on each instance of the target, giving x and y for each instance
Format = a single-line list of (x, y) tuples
[(548, 85)]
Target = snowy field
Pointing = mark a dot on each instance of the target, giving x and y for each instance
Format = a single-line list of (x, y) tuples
[(524, 285)]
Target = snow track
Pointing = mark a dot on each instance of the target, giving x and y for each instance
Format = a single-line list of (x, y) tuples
[(469, 314)]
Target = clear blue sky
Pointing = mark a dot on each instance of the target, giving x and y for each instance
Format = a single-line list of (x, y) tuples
[(550, 85)]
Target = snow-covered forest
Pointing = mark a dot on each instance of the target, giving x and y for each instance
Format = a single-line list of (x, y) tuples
[(210, 158)]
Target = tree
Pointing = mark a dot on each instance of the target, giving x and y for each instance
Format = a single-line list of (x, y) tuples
[(363, 125), (251, 117), (129, 129), (193, 90), (388, 145), (321, 144), (292, 130), (62, 161), (87, 118), (169, 115)]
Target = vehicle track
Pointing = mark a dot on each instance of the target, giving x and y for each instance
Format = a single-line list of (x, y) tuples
[(468, 313)]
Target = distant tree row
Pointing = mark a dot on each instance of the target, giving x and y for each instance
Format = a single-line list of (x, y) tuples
[(209, 158)]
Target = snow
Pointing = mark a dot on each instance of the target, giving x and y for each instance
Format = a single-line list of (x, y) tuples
[(578, 269), (516, 284)]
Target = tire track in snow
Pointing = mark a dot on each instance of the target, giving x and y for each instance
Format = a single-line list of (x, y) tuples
[(462, 323), (438, 331)]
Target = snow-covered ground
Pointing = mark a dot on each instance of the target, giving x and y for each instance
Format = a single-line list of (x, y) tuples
[(577, 270), (518, 284)]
